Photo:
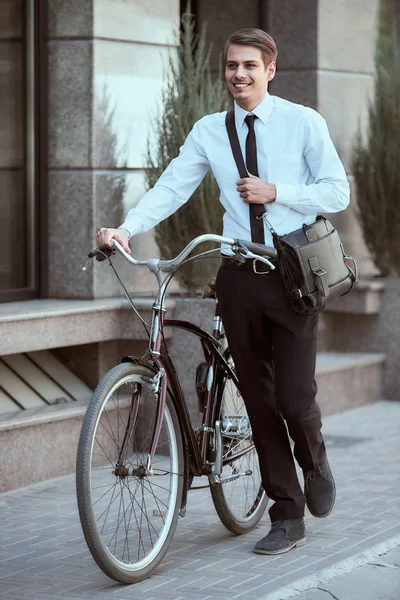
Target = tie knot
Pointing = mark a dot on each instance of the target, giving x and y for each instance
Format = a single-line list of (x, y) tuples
[(250, 121)]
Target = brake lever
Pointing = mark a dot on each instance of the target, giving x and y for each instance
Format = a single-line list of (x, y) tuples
[(242, 253), (262, 259), (99, 254)]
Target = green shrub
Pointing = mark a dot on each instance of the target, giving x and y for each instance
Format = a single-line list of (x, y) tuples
[(376, 160), (189, 94)]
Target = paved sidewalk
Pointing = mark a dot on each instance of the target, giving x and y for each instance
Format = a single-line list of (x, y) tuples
[(43, 555), (377, 578)]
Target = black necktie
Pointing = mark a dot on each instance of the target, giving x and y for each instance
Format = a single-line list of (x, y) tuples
[(256, 210)]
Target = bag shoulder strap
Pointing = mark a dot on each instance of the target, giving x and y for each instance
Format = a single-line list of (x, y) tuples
[(235, 145), (237, 154)]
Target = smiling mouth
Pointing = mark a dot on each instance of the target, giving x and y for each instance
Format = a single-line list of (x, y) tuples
[(241, 86)]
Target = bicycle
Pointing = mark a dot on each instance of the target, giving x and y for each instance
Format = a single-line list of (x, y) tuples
[(138, 451)]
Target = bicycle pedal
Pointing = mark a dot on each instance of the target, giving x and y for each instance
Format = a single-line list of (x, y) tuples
[(235, 425)]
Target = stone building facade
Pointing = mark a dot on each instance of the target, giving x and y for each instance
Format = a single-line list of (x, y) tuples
[(81, 79)]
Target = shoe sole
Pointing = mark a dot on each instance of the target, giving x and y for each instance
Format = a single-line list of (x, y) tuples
[(329, 511), (295, 544)]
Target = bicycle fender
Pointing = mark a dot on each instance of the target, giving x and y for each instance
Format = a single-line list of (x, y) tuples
[(143, 363), (138, 361)]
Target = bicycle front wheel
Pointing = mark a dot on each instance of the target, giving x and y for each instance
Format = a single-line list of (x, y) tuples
[(128, 512), (240, 500)]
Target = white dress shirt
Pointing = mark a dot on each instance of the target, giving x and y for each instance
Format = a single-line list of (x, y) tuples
[(294, 151)]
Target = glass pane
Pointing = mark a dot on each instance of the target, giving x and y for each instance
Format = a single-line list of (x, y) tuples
[(13, 225)]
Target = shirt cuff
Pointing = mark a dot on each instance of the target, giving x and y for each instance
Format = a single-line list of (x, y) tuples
[(127, 231)]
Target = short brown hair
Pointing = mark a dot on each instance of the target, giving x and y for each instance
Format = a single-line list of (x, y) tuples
[(257, 38)]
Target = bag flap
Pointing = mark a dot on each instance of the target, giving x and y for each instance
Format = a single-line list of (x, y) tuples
[(309, 234)]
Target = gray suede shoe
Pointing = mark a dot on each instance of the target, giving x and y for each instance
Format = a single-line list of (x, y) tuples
[(283, 536), (319, 490)]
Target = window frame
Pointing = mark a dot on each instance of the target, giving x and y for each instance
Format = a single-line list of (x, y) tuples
[(35, 153)]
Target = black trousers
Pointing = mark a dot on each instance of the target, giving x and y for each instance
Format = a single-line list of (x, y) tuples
[(274, 350)]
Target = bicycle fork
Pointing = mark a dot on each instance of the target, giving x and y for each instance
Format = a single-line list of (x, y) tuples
[(159, 387)]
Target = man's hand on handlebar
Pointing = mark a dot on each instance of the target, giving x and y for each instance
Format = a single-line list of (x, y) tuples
[(106, 234)]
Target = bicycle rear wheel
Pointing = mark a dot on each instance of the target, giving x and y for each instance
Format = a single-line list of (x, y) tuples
[(240, 500), (128, 516)]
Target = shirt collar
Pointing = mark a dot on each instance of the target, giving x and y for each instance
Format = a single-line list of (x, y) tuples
[(262, 111)]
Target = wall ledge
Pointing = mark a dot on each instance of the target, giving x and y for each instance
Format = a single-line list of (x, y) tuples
[(47, 324), (364, 299), (42, 416)]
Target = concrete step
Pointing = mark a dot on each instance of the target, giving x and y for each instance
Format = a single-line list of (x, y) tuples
[(364, 302), (46, 324), (347, 380), (344, 381)]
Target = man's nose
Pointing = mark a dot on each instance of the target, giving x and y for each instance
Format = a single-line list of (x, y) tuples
[(240, 72)]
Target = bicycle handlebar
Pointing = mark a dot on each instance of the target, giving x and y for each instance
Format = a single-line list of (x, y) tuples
[(244, 248), (259, 249)]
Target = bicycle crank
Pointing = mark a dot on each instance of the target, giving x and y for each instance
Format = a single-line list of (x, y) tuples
[(216, 469), (241, 430), (235, 476)]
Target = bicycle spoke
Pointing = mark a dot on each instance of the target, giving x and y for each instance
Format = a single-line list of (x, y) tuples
[(111, 435), (107, 510), (136, 502), (156, 498), (107, 485), (104, 454), (126, 544), (113, 485)]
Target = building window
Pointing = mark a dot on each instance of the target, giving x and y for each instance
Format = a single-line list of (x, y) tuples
[(18, 220)]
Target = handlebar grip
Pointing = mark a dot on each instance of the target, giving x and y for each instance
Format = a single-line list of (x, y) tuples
[(100, 254), (259, 249)]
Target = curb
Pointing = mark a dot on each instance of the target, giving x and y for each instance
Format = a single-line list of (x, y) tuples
[(325, 575)]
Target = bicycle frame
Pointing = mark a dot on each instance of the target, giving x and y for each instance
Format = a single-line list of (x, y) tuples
[(160, 362), (211, 348), (196, 456)]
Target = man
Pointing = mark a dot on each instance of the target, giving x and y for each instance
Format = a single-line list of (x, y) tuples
[(273, 347)]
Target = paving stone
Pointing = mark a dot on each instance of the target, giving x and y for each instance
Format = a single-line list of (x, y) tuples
[(43, 555)]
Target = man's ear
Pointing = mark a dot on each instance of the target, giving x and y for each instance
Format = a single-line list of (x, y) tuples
[(271, 70)]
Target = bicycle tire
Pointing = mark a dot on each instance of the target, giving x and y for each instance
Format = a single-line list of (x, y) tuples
[(128, 521), (241, 502)]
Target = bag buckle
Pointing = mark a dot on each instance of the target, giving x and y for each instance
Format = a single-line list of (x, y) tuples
[(297, 294), (311, 235)]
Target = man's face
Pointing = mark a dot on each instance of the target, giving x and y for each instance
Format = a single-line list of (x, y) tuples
[(246, 75)]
